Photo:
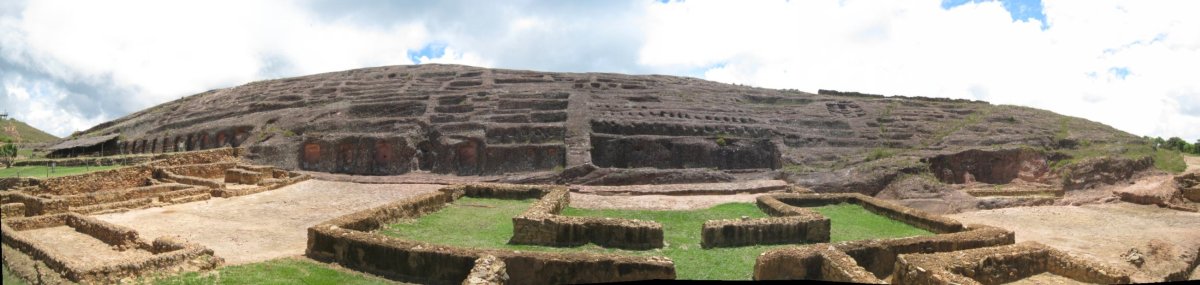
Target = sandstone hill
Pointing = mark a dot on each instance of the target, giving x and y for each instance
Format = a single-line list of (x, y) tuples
[(27, 133), (602, 128)]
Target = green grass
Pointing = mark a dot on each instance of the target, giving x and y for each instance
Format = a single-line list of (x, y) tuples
[(10, 279), (1164, 159), (681, 233), (42, 171), (28, 133), (490, 224), (852, 222), (279, 271)]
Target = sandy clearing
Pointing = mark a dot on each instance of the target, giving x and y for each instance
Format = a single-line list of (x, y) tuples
[(1100, 232), (80, 247), (266, 225), (1193, 163), (656, 202)]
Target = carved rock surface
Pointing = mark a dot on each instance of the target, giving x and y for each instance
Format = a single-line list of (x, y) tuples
[(468, 121)]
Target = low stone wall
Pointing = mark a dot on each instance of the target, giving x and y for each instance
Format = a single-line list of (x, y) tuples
[(226, 154), (35, 205), (81, 161), (12, 210), (488, 270), (758, 186), (775, 230), (789, 225), (348, 241), (125, 177), (541, 225), (1003, 264), (917, 218), (169, 255), (875, 257), (190, 180), (816, 262), (10, 183), (878, 256), (242, 176), (120, 195), (1015, 192), (206, 170)]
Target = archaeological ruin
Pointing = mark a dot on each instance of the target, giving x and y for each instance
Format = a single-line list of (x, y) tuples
[(450, 174)]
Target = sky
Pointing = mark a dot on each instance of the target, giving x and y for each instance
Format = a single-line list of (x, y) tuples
[(1135, 65)]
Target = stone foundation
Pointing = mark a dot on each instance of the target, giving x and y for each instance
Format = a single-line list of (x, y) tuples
[(348, 240), (541, 225), (877, 257), (168, 254), (1003, 264)]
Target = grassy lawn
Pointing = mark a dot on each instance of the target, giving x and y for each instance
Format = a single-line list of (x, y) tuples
[(852, 222), (41, 171), (10, 279), (490, 221), (279, 271)]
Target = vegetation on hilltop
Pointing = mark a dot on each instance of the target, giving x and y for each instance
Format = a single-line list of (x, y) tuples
[(27, 133)]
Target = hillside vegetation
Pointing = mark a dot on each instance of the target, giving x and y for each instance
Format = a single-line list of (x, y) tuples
[(28, 133)]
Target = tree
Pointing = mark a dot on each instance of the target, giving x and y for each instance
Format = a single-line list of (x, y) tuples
[(1175, 143), (1158, 142), (8, 152), (1196, 147)]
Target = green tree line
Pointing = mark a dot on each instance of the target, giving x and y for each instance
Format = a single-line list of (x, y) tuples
[(1177, 144)]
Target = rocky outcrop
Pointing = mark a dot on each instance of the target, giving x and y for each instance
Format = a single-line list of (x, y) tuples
[(1189, 185), (1100, 171), (468, 121), (1155, 190), (993, 167), (927, 194)]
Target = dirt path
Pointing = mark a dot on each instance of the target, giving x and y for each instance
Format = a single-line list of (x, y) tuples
[(656, 202), (1104, 232), (1193, 163), (266, 225)]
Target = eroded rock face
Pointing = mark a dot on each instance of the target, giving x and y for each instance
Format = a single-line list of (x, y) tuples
[(1100, 171), (993, 167), (463, 120), (927, 194)]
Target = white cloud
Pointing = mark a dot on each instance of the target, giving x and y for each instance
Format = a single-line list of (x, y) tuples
[(163, 50), (127, 55), (972, 51), (44, 107)]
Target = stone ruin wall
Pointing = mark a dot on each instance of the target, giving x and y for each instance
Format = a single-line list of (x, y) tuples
[(541, 225), (788, 225), (1002, 264), (348, 240), (168, 254)]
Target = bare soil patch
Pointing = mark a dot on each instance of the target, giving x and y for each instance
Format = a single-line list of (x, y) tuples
[(1104, 232), (656, 202), (266, 225), (1193, 163), (81, 247)]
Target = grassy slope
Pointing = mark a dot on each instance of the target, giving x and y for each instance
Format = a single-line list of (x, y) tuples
[(280, 271), (491, 224), (28, 133), (10, 279), (41, 171)]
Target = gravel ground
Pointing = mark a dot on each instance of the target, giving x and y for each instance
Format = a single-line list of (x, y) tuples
[(266, 225), (1104, 232)]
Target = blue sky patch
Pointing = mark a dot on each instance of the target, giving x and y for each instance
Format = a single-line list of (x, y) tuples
[(431, 50), (1119, 72), (1019, 10)]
